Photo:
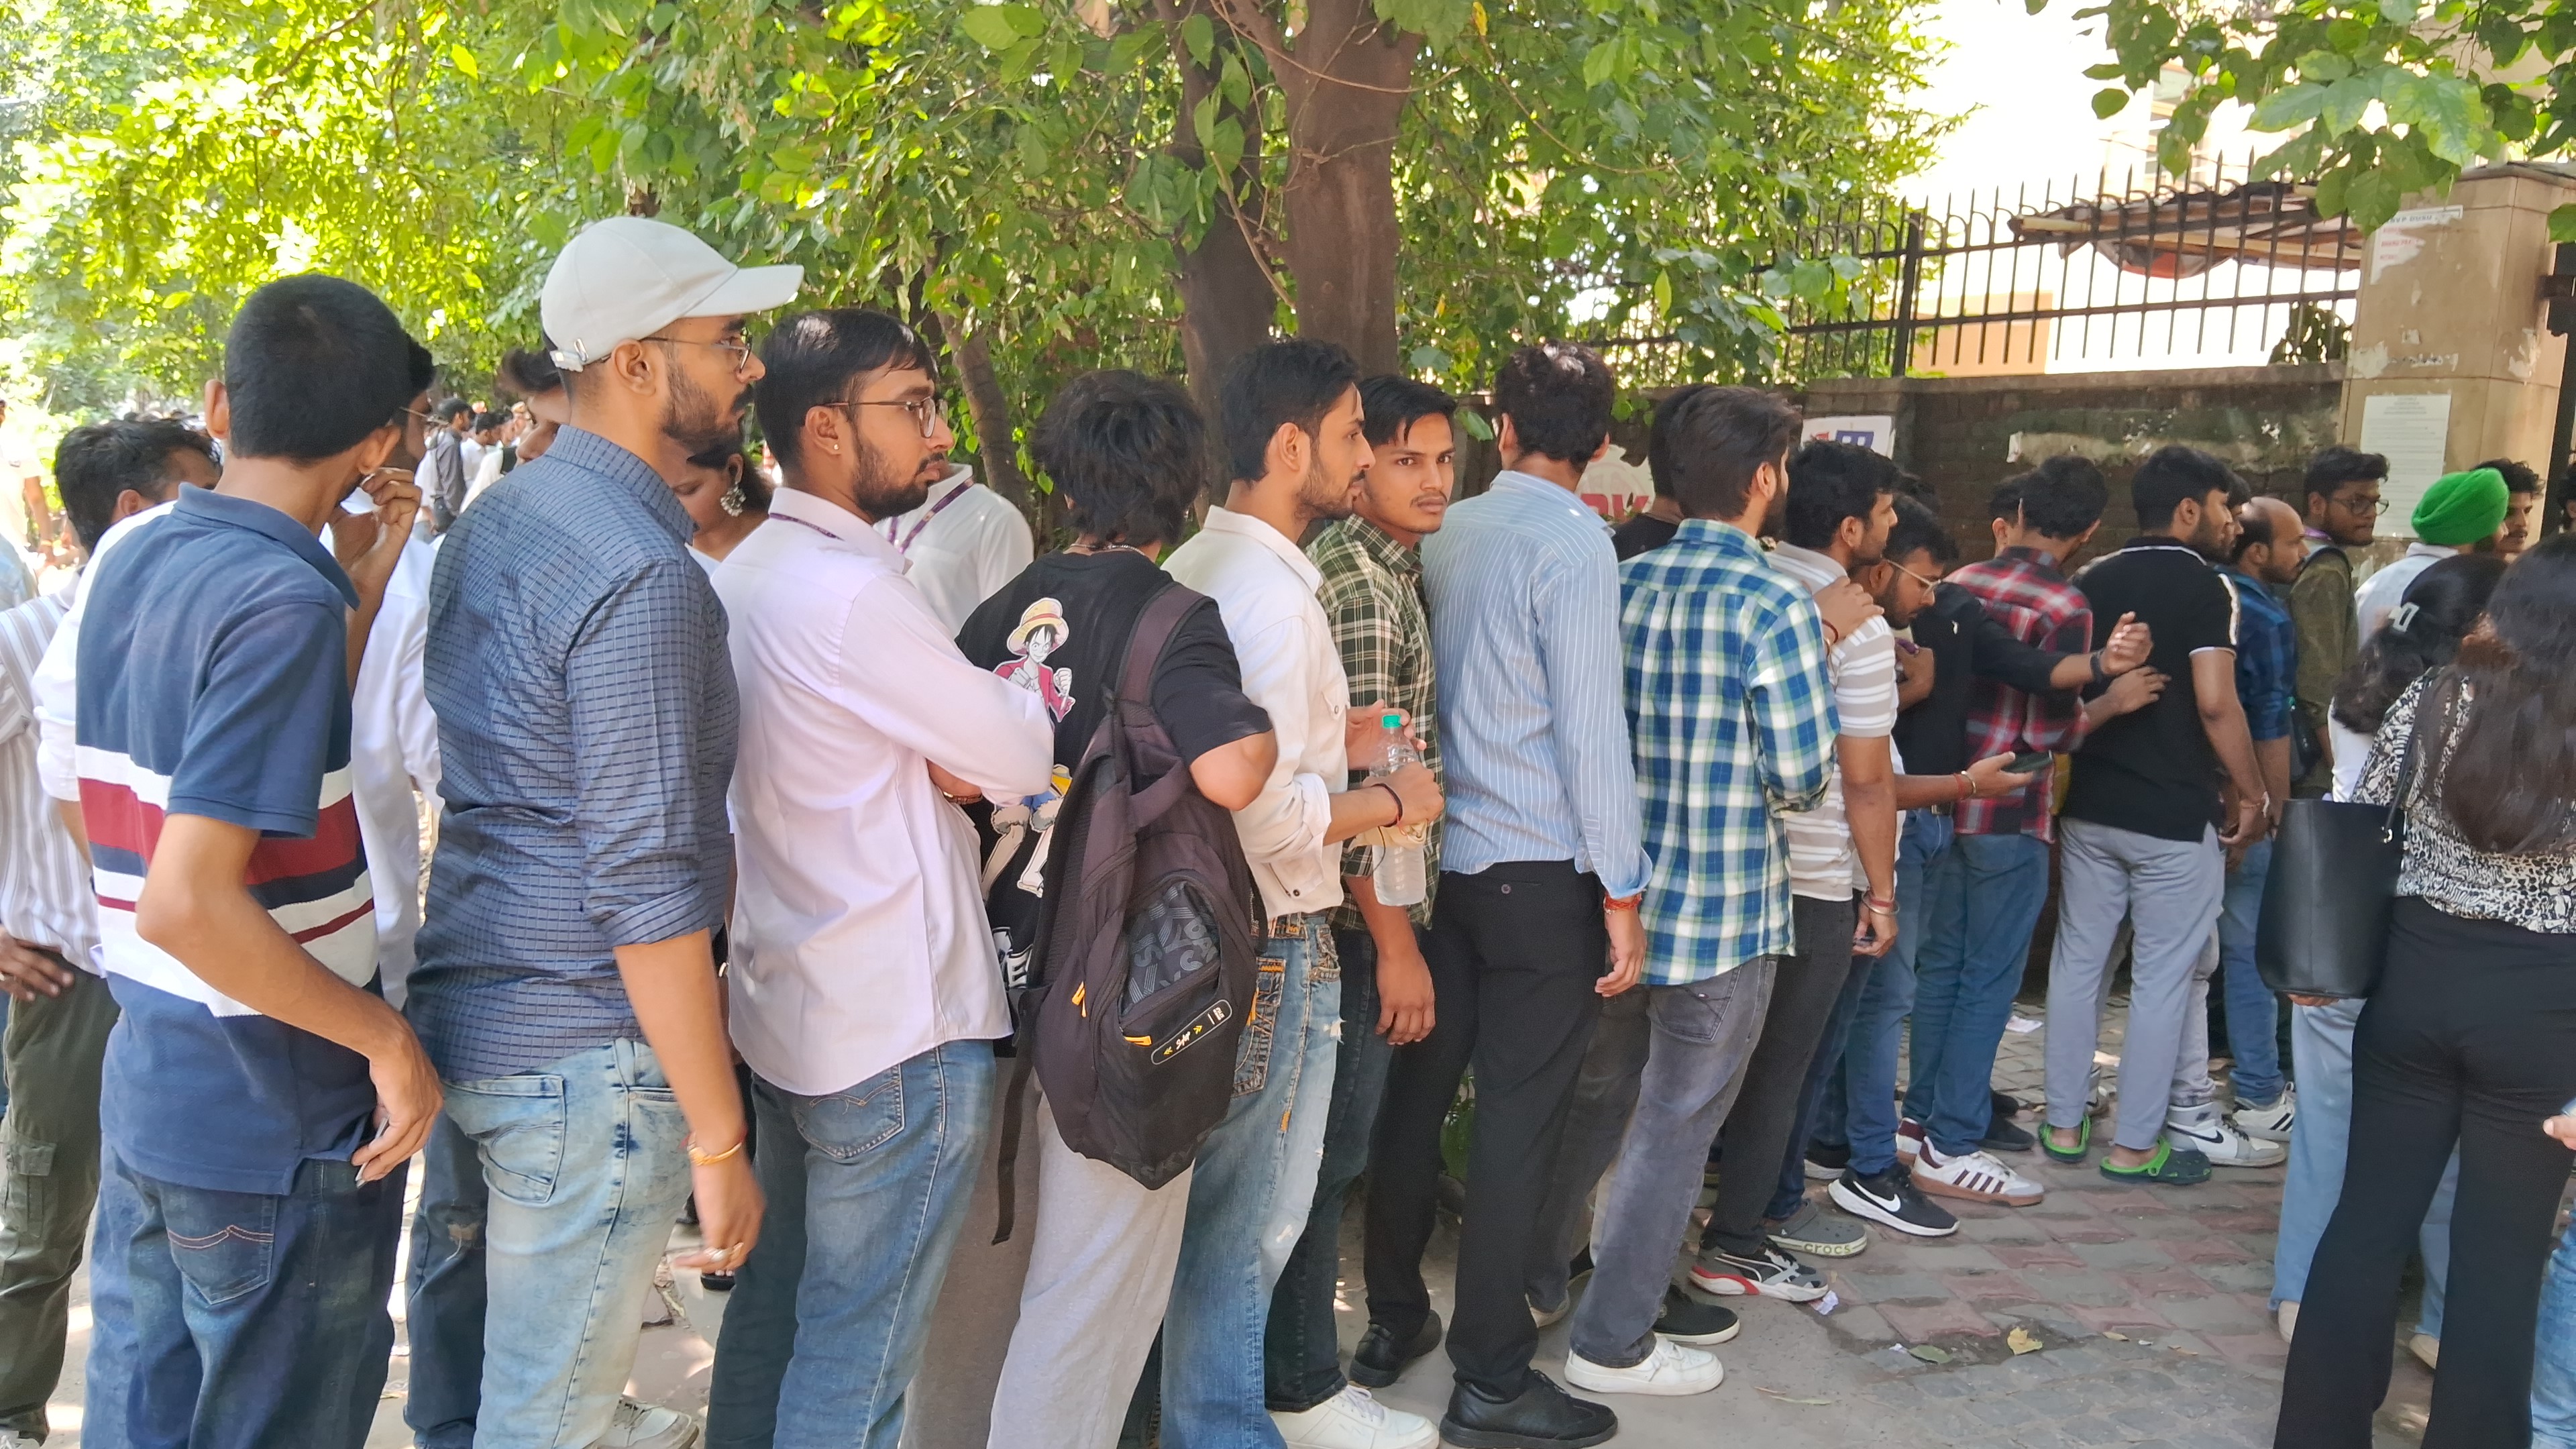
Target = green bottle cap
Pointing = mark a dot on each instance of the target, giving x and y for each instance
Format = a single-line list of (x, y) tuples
[(1391, 720)]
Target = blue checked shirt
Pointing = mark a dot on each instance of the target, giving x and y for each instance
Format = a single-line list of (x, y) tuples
[(586, 724), (2267, 656), (1733, 715)]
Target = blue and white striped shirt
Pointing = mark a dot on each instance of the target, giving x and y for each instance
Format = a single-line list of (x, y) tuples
[(1523, 591)]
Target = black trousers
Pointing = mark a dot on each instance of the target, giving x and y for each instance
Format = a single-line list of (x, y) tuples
[(1514, 952), (2470, 1039), (1755, 1139)]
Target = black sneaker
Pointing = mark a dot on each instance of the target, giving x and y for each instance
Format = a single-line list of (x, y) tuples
[(1687, 1320), (1380, 1359), (1543, 1416), (2002, 1133), (1826, 1160), (1891, 1199)]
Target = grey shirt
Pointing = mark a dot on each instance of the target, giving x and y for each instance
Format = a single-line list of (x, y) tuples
[(586, 722)]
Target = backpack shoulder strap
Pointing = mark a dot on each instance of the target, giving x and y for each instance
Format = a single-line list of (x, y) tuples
[(1162, 616)]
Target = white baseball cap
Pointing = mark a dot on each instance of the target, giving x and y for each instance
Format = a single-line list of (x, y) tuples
[(628, 277)]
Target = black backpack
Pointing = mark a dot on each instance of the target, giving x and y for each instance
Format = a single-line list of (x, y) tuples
[(1147, 946)]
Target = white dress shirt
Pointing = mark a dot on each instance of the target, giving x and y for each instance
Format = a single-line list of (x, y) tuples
[(859, 938), (961, 545), (1265, 589), (393, 737)]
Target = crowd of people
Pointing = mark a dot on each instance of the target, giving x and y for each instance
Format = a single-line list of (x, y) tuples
[(814, 863)]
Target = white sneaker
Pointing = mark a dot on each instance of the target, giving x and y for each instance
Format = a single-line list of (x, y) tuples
[(1974, 1177), (2288, 1319), (1672, 1369), (2426, 1348), (644, 1426), (1547, 1318), (2272, 1123), (2207, 1131), (1354, 1419), (1909, 1140)]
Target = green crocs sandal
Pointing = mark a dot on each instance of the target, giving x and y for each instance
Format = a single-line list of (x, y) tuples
[(2075, 1154), (2168, 1167)]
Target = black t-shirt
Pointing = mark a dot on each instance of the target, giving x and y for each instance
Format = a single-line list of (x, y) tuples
[(1964, 642), (1641, 534), (1060, 629), (2153, 771)]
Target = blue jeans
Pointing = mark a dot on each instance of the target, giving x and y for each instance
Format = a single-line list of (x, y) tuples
[(109, 1373), (1965, 975), (2321, 1050), (1303, 1349), (243, 1319), (443, 1292), (2253, 1013), (1858, 1106), (587, 1167), (866, 1190), (1250, 1194), (2553, 1377)]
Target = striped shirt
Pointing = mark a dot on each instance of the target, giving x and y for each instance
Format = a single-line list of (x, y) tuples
[(213, 682), (44, 889), (1523, 589), (586, 719), (1733, 713), (1823, 864)]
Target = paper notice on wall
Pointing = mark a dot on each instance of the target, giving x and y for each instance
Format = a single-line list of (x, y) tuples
[(2398, 241), (2411, 430), (1616, 485), (1874, 431)]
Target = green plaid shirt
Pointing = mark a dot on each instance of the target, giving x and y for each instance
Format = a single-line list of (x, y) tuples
[(1372, 593)]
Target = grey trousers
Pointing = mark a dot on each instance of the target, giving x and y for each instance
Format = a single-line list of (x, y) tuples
[(1604, 1096), (2170, 893), (1703, 1037)]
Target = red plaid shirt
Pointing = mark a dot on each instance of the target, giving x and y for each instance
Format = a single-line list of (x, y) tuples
[(2025, 593)]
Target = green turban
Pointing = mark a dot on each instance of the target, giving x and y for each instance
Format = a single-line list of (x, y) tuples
[(2462, 508)]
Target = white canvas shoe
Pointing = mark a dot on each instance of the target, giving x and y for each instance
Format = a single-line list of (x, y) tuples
[(1671, 1369), (1354, 1419), (645, 1426)]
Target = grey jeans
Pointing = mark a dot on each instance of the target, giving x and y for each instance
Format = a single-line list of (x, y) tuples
[(2169, 891), (1703, 1035)]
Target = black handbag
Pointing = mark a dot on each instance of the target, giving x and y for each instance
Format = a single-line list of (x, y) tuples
[(2332, 886)]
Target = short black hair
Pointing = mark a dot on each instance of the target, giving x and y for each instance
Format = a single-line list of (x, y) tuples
[(1128, 454), (1918, 530), (312, 365), (97, 461), (1558, 396), (1709, 441), (2334, 468), (1914, 485), (1390, 405), (811, 358), (2518, 477), (529, 372), (424, 370), (1829, 482), (2005, 501), (2173, 474), (2060, 498), (486, 422), (452, 409), (1295, 381)]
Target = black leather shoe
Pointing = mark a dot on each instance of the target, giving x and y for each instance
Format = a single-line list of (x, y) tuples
[(1380, 1360), (1543, 1417)]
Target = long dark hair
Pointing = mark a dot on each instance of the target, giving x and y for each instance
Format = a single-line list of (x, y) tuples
[(2508, 779), (2446, 600)]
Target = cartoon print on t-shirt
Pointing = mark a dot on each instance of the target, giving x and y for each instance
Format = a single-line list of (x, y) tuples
[(1041, 632)]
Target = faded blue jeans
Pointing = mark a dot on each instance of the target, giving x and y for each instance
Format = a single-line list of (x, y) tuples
[(587, 1166), (443, 1292), (109, 1372), (244, 1320), (2253, 1012), (1858, 1105), (1965, 976), (866, 1189), (1703, 1035), (1250, 1194), (2321, 1051), (2553, 1375)]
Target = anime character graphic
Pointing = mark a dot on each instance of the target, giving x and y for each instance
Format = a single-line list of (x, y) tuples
[(1040, 632)]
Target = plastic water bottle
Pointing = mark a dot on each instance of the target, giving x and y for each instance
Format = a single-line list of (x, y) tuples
[(1398, 875)]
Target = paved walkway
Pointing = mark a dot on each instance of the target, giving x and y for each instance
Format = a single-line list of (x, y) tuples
[(2147, 1308)]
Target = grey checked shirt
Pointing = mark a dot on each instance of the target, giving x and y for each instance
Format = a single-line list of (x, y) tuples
[(586, 721)]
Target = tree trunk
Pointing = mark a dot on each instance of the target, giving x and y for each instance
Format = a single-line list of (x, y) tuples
[(1347, 87), (1228, 298), (990, 410)]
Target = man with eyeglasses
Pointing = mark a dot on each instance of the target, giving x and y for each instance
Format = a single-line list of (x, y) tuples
[(962, 543), (586, 710), (2343, 510)]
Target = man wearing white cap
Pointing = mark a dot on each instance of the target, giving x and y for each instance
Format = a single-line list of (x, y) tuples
[(564, 985)]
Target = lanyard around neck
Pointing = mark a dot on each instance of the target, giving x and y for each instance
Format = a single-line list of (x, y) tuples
[(904, 545)]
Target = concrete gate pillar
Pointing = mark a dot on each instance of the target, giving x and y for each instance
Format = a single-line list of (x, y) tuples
[(2450, 331)]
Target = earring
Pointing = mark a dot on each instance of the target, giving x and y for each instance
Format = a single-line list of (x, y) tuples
[(733, 500)]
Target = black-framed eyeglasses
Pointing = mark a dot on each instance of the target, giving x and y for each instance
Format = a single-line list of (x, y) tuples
[(2376, 506), (739, 347), (930, 412)]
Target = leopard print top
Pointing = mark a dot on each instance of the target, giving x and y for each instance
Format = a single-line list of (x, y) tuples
[(2535, 892)]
